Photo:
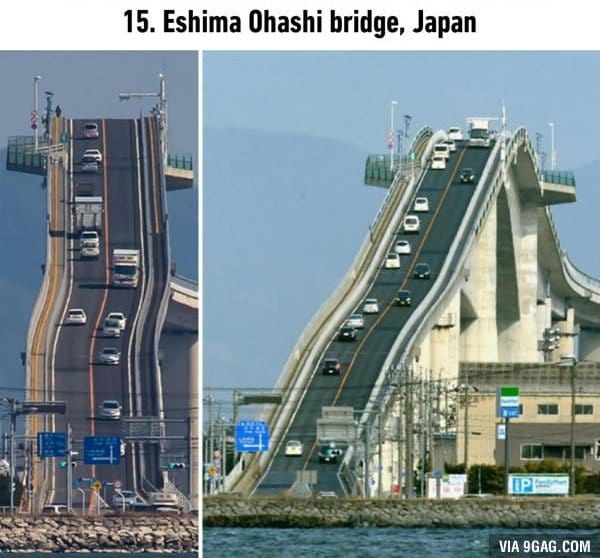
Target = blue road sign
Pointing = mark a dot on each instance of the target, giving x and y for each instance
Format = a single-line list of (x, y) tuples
[(251, 436), (509, 412), (51, 444), (101, 450)]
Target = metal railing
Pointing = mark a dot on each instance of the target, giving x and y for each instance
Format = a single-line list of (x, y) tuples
[(180, 161)]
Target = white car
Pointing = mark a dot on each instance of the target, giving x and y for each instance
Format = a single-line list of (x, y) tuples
[(294, 448), (438, 162), (89, 236), (111, 328), (421, 204), (119, 317), (392, 261), (110, 409), (451, 145), (89, 250), (110, 355), (455, 133), (76, 316), (95, 154), (412, 223), (371, 306), (90, 130), (402, 247), (356, 321)]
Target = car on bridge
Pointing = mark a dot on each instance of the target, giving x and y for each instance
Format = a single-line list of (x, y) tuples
[(76, 316), (392, 261), (356, 321), (111, 328), (371, 306), (332, 366), (110, 355), (455, 133), (90, 130), (402, 247), (467, 176), (412, 224), (346, 333), (110, 409), (403, 298), (294, 448), (438, 162), (421, 204), (329, 454), (119, 317), (451, 144), (89, 250), (88, 236), (422, 271), (94, 154)]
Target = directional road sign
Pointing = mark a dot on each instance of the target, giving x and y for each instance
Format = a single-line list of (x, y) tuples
[(51, 444), (251, 436), (508, 402), (102, 450)]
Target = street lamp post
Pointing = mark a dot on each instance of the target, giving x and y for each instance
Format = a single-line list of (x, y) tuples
[(391, 136), (34, 116), (552, 150)]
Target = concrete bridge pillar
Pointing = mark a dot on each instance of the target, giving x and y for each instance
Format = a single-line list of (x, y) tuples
[(517, 300), (589, 344), (479, 338)]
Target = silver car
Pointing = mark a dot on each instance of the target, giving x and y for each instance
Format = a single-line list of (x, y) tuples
[(110, 355), (110, 409), (111, 328)]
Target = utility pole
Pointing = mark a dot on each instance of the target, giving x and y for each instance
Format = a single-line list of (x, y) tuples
[(399, 436), (408, 470), (211, 439), (572, 490), (379, 453), (466, 428)]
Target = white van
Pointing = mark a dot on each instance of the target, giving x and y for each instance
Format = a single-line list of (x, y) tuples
[(441, 149)]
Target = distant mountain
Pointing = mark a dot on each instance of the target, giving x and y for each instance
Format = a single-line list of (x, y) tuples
[(284, 216)]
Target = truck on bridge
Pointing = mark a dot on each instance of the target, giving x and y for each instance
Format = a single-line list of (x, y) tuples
[(480, 133), (125, 267), (88, 213)]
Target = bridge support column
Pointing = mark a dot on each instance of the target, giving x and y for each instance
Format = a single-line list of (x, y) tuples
[(479, 337)]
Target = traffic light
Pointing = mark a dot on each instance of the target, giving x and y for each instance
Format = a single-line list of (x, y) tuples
[(177, 465), (63, 464)]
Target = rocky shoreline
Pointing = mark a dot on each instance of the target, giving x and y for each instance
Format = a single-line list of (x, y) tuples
[(515, 513), (118, 533)]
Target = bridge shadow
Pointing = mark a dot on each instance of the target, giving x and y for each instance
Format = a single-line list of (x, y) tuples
[(94, 286)]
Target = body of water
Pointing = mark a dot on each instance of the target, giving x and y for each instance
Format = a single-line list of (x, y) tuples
[(392, 542)]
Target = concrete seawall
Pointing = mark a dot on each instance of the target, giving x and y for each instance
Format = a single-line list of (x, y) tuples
[(72, 533), (566, 513)]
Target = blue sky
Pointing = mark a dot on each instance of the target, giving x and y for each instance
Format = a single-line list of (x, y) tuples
[(345, 97)]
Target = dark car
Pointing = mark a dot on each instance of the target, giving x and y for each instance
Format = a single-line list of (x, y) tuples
[(332, 366), (403, 298), (347, 333), (327, 454), (467, 176), (422, 271)]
